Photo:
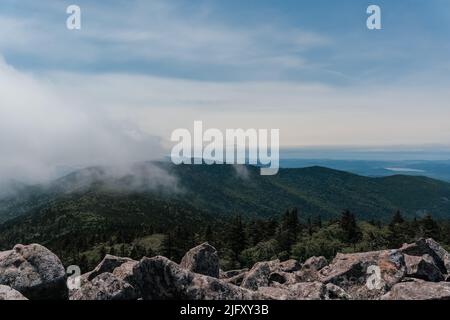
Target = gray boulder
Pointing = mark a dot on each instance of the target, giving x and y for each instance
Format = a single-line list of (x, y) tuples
[(430, 247), (237, 279), (8, 293), (105, 286), (34, 271), (258, 276), (423, 267), (419, 290), (290, 266), (365, 275), (108, 264), (202, 259), (232, 273), (315, 263), (158, 278)]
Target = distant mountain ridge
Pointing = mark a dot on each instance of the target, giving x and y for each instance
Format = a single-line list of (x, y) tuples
[(226, 190)]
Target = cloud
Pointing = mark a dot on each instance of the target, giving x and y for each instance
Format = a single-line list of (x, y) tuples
[(161, 38), (47, 129)]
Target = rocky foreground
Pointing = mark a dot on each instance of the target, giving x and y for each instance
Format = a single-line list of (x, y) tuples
[(417, 271)]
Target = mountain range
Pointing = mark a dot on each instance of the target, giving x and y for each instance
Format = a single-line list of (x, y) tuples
[(225, 190)]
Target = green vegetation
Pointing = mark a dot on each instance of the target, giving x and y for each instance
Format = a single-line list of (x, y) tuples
[(239, 214)]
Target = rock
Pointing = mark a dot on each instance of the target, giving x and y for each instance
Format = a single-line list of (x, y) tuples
[(158, 278), (276, 293), (423, 268), (233, 273), (365, 275), (315, 263), (333, 292), (308, 275), (34, 271), (105, 286), (202, 259), (429, 246), (8, 293), (258, 276), (282, 278), (108, 264), (308, 290), (447, 278), (125, 271), (237, 279), (304, 291), (419, 290), (290, 266)]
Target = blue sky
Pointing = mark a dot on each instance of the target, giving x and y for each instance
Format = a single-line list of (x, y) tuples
[(137, 70), (324, 41)]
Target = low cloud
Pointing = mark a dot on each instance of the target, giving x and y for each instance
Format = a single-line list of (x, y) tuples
[(46, 130)]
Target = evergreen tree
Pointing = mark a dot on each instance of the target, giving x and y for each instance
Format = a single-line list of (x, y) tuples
[(236, 237), (430, 228), (398, 231), (352, 232), (288, 230)]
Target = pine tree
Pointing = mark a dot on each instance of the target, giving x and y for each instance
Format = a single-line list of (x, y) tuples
[(430, 228), (398, 231), (236, 237), (352, 233), (288, 230)]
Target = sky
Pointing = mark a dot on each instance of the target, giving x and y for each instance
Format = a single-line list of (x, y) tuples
[(137, 70)]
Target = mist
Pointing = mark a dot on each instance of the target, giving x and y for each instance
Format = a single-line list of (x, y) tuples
[(48, 130)]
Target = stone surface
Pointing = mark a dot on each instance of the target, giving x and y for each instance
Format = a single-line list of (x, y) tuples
[(365, 275), (432, 248), (8, 293), (419, 290), (333, 292), (34, 271), (258, 276), (423, 268), (315, 263), (290, 266), (105, 286), (108, 264), (233, 273), (202, 259), (158, 278), (237, 279)]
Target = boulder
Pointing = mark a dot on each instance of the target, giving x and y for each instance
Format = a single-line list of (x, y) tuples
[(34, 271), (105, 286), (258, 276), (237, 279), (158, 278), (108, 264), (8, 293), (432, 248), (290, 266), (315, 263), (419, 290), (308, 290), (423, 267), (282, 278), (233, 273), (333, 292), (305, 291), (365, 275), (125, 271), (202, 259)]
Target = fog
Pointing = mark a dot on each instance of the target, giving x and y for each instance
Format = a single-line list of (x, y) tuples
[(47, 130)]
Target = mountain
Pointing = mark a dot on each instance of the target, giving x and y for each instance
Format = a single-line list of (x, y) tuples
[(224, 190), (90, 209), (436, 169)]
